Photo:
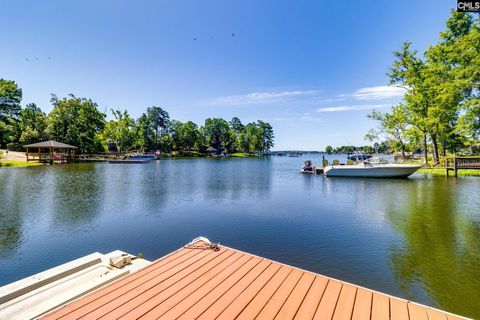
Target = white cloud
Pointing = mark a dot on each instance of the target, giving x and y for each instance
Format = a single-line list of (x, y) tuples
[(311, 119), (378, 93), (353, 108), (261, 97), (333, 99)]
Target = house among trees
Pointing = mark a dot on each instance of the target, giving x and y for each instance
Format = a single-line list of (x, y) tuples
[(211, 151)]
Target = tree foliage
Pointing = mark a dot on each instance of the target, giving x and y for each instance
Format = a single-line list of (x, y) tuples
[(119, 131), (440, 108), (77, 121), (10, 98)]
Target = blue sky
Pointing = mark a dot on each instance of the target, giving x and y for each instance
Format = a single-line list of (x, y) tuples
[(313, 69)]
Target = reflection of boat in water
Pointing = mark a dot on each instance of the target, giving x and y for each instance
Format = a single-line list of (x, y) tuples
[(372, 168), (308, 167), (134, 159)]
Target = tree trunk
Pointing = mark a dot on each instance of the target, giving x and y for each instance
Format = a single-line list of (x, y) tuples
[(435, 148), (425, 150), (444, 148)]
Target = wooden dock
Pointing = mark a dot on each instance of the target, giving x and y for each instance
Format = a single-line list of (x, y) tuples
[(203, 281), (456, 163)]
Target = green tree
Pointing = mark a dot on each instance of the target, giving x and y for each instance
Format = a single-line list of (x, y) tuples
[(329, 149), (267, 136), (158, 120), (32, 126), (78, 122), (459, 50), (236, 125), (442, 88), (10, 98), (408, 72), (185, 135), (216, 131), (144, 139), (393, 125), (253, 138), (121, 131)]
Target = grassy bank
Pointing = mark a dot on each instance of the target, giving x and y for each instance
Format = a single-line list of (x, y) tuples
[(244, 155), (13, 163), (442, 172)]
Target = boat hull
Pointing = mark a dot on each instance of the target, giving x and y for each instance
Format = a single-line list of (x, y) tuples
[(387, 171), (133, 160), (129, 161)]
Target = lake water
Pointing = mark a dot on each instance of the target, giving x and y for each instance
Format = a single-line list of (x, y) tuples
[(417, 238)]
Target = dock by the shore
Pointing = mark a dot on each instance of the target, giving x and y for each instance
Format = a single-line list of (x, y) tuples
[(206, 281)]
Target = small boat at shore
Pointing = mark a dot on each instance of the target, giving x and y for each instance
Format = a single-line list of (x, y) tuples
[(134, 159), (308, 167), (372, 168)]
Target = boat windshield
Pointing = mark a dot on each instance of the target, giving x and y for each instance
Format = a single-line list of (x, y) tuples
[(377, 160)]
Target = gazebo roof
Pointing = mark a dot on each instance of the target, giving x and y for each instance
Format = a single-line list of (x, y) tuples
[(50, 144), (210, 149)]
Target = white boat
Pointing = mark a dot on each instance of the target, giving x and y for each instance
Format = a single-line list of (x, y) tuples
[(308, 167), (373, 168)]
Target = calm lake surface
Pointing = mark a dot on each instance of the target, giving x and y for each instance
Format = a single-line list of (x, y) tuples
[(417, 238)]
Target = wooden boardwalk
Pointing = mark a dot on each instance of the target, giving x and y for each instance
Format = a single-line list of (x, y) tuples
[(457, 163), (198, 282)]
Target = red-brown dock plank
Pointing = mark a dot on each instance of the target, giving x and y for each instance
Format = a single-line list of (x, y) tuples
[(271, 309), (180, 295), (261, 299), (246, 296), (201, 306), (329, 301), (312, 299), (363, 304), (380, 306), (399, 309), (344, 308), (200, 283), (197, 295), (291, 306)]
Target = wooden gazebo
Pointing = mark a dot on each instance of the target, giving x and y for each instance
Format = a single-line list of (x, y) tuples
[(49, 151), (211, 151)]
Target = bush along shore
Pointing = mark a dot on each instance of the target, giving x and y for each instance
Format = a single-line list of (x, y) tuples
[(439, 171)]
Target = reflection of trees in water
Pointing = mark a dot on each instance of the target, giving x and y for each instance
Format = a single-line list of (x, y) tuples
[(231, 178), (15, 207), (10, 235), (155, 187), (137, 188), (78, 194), (11, 220), (441, 248), (148, 188)]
